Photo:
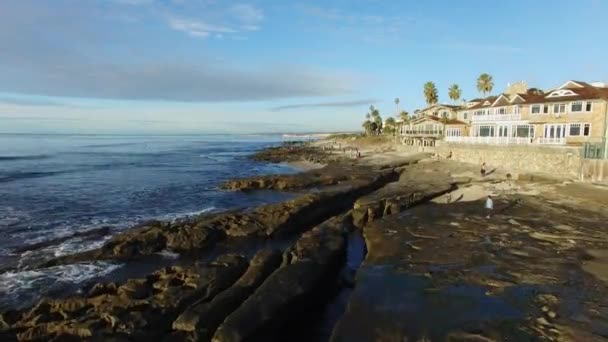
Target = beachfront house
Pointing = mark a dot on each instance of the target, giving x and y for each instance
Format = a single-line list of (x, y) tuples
[(572, 114), (427, 127)]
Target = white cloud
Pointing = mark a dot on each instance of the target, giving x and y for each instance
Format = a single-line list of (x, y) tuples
[(197, 28), (247, 13)]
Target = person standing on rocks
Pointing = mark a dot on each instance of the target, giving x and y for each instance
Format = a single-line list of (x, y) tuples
[(483, 170), (489, 207)]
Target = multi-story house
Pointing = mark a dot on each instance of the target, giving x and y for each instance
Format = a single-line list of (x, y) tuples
[(574, 113), (431, 124)]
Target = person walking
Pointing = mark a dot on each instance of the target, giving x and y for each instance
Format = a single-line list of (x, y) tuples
[(483, 170), (489, 207)]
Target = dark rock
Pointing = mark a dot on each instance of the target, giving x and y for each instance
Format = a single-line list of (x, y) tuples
[(317, 257), (204, 318), (140, 309), (416, 185)]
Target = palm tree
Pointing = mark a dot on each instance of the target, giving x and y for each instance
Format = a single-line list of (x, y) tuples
[(367, 116), (405, 116), (377, 121), (390, 125), (396, 105), (485, 84), (454, 92), (430, 93)]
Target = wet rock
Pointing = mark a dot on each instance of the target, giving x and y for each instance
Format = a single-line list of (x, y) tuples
[(204, 318), (102, 288), (415, 186), (316, 258), (203, 232), (296, 151), (139, 309)]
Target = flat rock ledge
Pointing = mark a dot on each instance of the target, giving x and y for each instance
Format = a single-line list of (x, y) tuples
[(228, 299), (417, 184), (308, 267), (201, 233), (332, 174)]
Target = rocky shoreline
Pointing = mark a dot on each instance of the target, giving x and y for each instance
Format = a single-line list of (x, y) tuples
[(425, 236)]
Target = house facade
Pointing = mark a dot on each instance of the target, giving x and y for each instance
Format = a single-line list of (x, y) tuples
[(425, 130), (572, 114)]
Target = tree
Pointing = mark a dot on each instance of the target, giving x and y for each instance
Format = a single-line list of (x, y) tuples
[(430, 93), (377, 121), (390, 125), (373, 122), (367, 126), (373, 127), (396, 105), (454, 92), (405, 116), (535, 91), (485, 84)]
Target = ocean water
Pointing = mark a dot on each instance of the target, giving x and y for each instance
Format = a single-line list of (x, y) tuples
[(52, 186)]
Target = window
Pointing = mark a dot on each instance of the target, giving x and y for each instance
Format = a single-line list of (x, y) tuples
[(576, 106), (559, 93), (453, 132), (536, 109), (546, 109), (444, 114), (465, 115), (588, 106), (500, 110), (523, 131), (575, 130), (559, 108), (578, 129), (486, 131), (515, 109)]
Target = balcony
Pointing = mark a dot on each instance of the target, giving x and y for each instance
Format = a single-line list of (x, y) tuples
[(552, 141), (496, 117), (423, 133), (506, 140), (490, 140)]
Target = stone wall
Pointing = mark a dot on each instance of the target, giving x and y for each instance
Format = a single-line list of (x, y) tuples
[(556, 160)]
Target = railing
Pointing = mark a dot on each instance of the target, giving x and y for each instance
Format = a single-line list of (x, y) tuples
[(497, 117), (490, 140), (423, 132), (552, 141), (594, 150)]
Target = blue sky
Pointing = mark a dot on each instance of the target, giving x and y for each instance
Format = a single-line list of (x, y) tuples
[(173, 66)]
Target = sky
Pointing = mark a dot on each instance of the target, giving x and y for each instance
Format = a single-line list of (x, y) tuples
[(219, 66)]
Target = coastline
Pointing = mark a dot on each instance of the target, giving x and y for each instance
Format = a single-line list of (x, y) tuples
[(338, 195)]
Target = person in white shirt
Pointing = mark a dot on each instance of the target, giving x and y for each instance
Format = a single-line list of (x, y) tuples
[(489, 206)]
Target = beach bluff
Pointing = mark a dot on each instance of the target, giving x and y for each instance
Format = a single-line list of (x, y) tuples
[(434, 264)]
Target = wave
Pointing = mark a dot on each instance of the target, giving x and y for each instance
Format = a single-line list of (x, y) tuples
[(31, 157), (13, 176), (23, 288), (112, 145), (185, 215)]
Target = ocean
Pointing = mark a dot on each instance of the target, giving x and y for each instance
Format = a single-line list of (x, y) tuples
[(52, 186)]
